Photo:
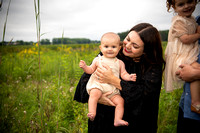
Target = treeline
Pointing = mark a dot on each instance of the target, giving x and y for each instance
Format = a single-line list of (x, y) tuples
[(72, 41), (163, 34), (54, 41)]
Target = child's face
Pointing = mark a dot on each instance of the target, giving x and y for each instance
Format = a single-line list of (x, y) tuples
[(110, 48), (184, 8)]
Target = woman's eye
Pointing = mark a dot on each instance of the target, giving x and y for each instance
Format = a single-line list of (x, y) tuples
[(127, 39), (180, 4)]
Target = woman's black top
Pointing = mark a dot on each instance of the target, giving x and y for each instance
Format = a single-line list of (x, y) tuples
[(141, 101)]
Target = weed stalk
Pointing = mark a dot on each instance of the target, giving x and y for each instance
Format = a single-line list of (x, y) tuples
[(39, 86)]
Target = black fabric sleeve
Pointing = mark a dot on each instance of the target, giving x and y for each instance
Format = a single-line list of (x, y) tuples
[(145, 86), (81, 94)]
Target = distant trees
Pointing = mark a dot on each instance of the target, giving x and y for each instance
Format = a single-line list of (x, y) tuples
[(163, 34), (123, 35), (70, 41), (45, 41)]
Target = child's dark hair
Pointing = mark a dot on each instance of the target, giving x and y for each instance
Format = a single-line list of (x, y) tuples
[(171, 3)]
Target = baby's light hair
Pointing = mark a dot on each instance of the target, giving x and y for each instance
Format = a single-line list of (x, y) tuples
[(110, 34)]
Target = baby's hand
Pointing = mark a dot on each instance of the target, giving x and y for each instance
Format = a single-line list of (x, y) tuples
[(82, 64), (133, 77)]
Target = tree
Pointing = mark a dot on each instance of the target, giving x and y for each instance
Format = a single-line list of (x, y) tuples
[(123, 35), (164, 35), (45, 41)]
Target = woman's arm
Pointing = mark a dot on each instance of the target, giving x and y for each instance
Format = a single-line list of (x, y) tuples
[(147, 86), (105, 75)]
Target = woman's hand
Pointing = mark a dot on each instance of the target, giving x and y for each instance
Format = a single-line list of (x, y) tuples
[(105, 100), (104, 74)]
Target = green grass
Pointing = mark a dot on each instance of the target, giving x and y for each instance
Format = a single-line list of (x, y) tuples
[(24, 109)]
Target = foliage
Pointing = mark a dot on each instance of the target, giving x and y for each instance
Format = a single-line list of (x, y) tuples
[(123, 35), (55, 111), (45, 41), (70, 41), (168, 111), (20, 110), (164, 35)]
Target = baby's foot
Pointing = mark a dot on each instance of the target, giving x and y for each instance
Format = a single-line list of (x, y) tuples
[(91, 116), (120, 123), (195, 108)]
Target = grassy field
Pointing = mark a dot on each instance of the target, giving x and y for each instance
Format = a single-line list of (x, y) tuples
[(37, 95)]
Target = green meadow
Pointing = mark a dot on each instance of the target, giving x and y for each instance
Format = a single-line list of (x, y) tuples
[(37, 85)]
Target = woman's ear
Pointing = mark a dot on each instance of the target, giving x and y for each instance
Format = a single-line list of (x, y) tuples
[(120, 47)]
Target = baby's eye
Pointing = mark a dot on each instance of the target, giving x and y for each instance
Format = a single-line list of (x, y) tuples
[(106, 46), (113, 46)]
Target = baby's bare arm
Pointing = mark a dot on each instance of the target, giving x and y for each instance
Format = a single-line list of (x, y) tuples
[(88, 69), (123, 73)]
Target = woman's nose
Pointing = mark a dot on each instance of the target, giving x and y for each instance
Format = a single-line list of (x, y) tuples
[(128, 45)]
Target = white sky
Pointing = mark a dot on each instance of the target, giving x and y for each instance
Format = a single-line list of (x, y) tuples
[(81, 18)]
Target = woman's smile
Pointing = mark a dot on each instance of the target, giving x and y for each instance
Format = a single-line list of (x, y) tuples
[(127, 50)]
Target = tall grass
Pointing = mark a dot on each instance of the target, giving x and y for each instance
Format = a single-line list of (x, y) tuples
[(19, 107), (37, 84)]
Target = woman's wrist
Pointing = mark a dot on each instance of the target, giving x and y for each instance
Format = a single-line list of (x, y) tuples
[(116, 82)]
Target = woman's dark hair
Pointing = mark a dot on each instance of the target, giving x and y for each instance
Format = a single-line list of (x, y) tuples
[(153, 52)]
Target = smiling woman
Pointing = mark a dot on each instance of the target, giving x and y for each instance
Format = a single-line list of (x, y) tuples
[(142, 54)]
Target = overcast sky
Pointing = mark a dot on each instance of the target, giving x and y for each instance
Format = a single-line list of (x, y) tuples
[(81, 18)]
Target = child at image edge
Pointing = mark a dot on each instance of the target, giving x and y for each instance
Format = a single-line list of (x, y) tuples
[(110, 46), (182, 47)]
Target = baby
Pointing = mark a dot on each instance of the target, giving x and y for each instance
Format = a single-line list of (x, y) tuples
[(110, 46)]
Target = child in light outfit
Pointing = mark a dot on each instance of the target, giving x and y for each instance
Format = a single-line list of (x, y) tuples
[(110, 46), (182, 47)]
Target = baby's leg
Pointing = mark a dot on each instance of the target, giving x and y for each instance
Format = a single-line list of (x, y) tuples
[(195, 93), (119, 111), (95, 94)]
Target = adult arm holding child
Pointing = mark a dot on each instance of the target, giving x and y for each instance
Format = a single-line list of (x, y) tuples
[(189, 73)]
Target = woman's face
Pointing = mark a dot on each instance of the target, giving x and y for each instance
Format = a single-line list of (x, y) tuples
[(133, 45)]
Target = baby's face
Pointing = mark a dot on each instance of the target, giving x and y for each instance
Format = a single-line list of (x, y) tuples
[(110, 48)]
